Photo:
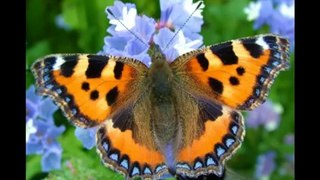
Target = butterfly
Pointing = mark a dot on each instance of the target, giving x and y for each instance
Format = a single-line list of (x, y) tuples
[(181, 117)]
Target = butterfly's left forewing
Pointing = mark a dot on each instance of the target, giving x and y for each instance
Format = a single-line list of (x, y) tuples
[(88, 88)]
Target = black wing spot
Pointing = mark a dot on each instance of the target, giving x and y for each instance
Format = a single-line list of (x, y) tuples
[(270, 39), (225, 53), (85, 86), (216, 85), (94, 95), (203, 61), (67, 68), (240, 70), (252, 47), (118, 70), (112, 95), (50, 61), (96, 65), (234, 81), (255, 50)]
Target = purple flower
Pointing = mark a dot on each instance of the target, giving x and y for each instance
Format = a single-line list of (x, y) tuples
[(277, 14), (51, 159), (39, 106), (86, 136), (147, 31), (126, 13), (162, 40), (124, 43), (267, 115), (174, 14), (265, 165), (30, 129), (41, 132), (179, 45)]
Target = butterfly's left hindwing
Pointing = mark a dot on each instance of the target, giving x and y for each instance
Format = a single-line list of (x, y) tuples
[(88, 88), (237, 73), (120, 151)]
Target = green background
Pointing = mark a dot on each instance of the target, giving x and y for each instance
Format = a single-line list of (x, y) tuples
[(223, 20)]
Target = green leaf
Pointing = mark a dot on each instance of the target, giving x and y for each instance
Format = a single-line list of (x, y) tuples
[(33, 165)]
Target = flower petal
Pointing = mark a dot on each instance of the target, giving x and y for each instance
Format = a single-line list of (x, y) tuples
[(31, 110), (30, 129), (46, 108), (51, 160), (125, 15), (265, 165), (163, 38), (267, 115), (34, 147), (253, 10), (117, 9), (144, 28), (32, 96), (86, 136), (174, 15), (53, 132)]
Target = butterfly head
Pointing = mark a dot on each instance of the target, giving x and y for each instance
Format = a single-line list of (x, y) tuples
[(156, 54)]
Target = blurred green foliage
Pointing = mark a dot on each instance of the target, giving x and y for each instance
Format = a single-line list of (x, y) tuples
[(224, 20)]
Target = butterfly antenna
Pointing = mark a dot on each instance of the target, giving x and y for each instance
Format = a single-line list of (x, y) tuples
[(183, 24), (135, 35)]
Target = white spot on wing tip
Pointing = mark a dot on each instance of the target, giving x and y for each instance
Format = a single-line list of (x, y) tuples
[(262, 43), (59, 62)]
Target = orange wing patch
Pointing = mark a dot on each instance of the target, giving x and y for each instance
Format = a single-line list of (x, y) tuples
[(86, 87), (220, 140), (119, 151), (238, 73)]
